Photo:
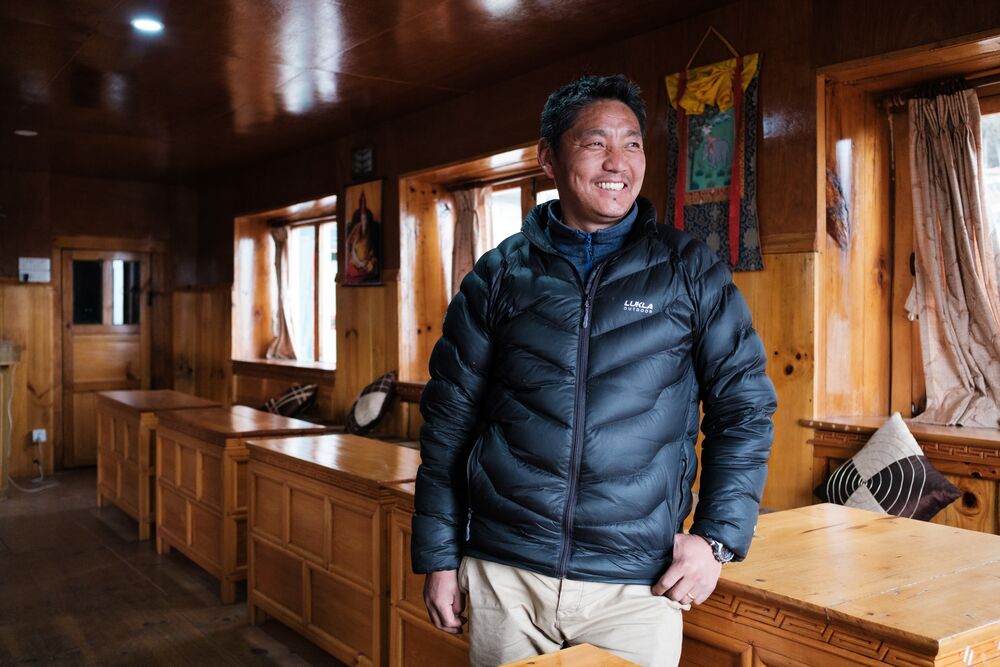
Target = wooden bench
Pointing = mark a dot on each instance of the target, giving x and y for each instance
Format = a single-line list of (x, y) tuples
[(411, 632), (126, 448), (201, 485), (319, 509)]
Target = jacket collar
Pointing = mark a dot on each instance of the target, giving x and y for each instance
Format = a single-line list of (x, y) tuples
[(538, 218)]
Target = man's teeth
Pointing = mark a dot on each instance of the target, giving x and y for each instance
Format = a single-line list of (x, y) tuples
[(611, 186)]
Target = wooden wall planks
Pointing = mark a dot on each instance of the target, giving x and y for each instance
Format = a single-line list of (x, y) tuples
[(855, 284), (26, 312), (201, 340), (782, 300)]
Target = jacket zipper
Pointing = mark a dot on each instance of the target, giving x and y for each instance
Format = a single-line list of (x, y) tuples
[(579, 408)]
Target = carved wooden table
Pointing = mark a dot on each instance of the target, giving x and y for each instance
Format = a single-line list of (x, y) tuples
[(411, 632), (126, 447), (829, 585), (201, 485), (318, 533)]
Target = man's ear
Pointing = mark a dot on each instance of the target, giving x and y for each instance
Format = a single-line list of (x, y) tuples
[(546, 156)]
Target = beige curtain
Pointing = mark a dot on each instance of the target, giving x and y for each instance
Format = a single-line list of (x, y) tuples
[(282, 346), (473, 231), (957, 298)]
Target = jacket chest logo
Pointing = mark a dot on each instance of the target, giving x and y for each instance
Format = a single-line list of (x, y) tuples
[(638, 307)]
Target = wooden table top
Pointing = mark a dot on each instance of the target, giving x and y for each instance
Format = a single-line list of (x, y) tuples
[(152, 400), (584, 655), (237, 421), (339, 456), (920, 584), (981, 437)]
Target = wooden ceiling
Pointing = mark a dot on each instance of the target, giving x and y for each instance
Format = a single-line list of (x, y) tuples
[(234, 81)]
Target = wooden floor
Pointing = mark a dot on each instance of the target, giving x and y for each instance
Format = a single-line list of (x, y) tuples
[(77, 588)]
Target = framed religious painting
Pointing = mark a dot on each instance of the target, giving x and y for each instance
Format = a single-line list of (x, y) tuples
[(363, 257), (712, 127)]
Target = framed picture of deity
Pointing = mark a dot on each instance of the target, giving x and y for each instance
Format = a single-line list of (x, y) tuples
[(363, 256)]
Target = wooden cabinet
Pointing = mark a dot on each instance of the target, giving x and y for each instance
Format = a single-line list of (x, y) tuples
[(319, 510), (968, 457), (201, 485), (834, 586), (126, 448), (413, 639)]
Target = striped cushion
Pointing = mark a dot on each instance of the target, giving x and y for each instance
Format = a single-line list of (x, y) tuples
[(293, 402), (371, 405)]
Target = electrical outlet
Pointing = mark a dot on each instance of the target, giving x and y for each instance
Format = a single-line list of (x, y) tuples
[(38, 435)]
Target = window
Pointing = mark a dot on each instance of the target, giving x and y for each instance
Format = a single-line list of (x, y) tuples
[(310, 294), (546, 195), (991, 167), (506, 213), (311, 299)]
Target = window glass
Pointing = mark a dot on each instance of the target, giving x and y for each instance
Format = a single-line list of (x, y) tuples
[(124, 292), (301, 288), (328, 292), (991, 167), (546, 195), (506, 212), (88, 291)]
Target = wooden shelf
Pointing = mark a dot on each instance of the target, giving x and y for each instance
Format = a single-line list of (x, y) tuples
[(952, 435), (289, 370)]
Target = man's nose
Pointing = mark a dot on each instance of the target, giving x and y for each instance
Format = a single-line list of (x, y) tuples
[(614, 159)]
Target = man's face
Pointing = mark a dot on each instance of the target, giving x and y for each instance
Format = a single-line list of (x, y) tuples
[(600, 165)]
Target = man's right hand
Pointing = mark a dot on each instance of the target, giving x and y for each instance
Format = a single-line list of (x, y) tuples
[(445, 601)]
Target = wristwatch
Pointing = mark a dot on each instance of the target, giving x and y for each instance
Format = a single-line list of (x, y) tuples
[(719, 550)]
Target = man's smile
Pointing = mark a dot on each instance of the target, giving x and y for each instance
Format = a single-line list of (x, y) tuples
[(614, 186)]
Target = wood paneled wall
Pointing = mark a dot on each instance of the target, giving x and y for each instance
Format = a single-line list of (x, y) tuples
[(37, 206), (26, 313), (201, 341)]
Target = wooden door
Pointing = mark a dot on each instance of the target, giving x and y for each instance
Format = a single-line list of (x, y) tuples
[(105, 343)]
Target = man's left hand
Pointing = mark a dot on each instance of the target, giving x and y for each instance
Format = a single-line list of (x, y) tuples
[(692, 576)]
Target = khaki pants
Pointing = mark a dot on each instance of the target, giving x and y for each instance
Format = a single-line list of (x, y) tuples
[(516, 614)]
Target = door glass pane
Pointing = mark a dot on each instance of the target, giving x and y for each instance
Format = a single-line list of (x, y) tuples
[(124, 292), (88, 291)]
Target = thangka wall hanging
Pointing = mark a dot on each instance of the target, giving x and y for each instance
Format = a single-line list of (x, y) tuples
[(712, 122)]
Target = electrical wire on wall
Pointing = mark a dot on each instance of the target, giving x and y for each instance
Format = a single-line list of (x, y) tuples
[(40, 480)]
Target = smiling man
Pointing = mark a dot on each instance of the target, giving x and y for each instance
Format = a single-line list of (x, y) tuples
[(562, 413)]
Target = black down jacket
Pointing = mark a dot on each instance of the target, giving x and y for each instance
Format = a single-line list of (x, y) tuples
[(561, 418)]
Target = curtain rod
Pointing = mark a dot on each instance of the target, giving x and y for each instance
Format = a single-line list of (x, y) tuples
[(897, 99), (533, 173)]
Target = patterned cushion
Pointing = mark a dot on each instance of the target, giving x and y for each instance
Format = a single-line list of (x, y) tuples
[(890, 475), (292, 402), (371, 405)]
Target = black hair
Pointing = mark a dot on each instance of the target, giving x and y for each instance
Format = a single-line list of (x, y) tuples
[(565, 104)]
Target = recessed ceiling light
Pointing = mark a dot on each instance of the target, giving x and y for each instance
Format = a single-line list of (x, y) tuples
[(146, 24), (26, 133)]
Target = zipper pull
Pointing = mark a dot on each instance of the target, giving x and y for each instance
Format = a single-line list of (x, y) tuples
[(586, 313)]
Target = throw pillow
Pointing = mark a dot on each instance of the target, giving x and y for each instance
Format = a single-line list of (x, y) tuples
[(292, 402), (890, 475), (371, 405)]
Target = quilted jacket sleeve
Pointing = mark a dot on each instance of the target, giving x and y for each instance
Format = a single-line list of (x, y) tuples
[(738, 400), (450, 406)]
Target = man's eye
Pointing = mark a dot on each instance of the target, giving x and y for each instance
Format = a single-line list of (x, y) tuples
[(596, 144)]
